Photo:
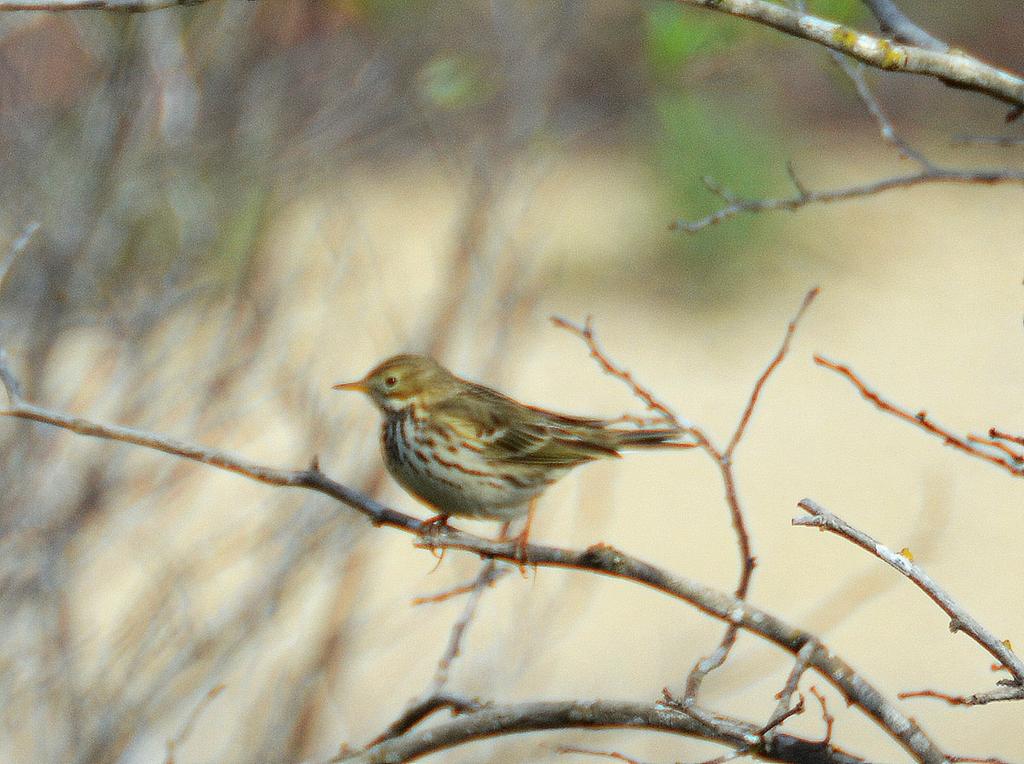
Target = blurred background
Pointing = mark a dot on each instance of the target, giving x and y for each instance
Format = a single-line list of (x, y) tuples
[(239, 204)]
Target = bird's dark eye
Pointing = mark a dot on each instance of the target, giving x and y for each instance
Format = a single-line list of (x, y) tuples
[(391, 381)]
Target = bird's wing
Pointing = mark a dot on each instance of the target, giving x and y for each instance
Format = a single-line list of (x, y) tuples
[(511, 432)]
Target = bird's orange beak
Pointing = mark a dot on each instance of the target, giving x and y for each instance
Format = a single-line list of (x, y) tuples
[(359, 386)]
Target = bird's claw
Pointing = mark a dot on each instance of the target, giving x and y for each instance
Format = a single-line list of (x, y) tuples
[(429, 529)]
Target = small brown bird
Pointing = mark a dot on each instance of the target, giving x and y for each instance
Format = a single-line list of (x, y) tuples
[(467, 450)]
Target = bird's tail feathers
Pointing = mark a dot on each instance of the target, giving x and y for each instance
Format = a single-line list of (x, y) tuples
[(662, 437)]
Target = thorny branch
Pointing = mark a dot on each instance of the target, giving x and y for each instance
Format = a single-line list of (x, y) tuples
[(960, 619), (600, 559), (992, 449), (723, 460)]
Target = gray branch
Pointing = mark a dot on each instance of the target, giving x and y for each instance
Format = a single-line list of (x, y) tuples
[(601, 559), (953, 67), (960, 619), (892, 21), (804, 198), (596, 714)]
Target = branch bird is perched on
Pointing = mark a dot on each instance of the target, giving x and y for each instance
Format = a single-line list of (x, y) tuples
[(467, 450)]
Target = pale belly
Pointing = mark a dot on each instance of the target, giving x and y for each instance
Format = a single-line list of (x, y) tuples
[(455, 480)]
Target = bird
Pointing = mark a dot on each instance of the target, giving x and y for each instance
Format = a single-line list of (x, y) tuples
[(467, 450)]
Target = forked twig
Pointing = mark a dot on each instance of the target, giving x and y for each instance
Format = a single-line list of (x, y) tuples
[(722, 459), (994, 453), (585, 332)]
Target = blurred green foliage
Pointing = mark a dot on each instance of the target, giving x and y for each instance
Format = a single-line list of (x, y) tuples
[(674, 35), (698, 133), (451, 81)]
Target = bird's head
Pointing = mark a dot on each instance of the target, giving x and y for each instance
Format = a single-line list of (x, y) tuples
[(404, 380)]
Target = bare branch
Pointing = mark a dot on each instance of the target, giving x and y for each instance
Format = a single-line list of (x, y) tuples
[(600, 559), (595, 714), (960, 619), (976, 760), (420, 710), (483, 580), (772, 366), (892, 21), (493, 574), (825, 715), (782, 710), (989, 450), (586, 333), (855, 72), (998, 434), (994, 695), (806, 198), (123, 6), (722, 459), (954, 67)]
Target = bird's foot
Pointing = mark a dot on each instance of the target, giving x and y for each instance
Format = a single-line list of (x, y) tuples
[(429, 529), (521, 547)]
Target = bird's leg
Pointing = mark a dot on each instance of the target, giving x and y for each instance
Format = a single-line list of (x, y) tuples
[(523, 538), (429, 527), (434, 520)]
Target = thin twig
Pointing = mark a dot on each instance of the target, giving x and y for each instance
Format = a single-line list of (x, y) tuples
[(989, 140), (785, 696), (593, 714), (804, 198), (724, 461), (493, 575), (565, 749), (892, 20), (451, 652), (421, 709), (17, 247), (995, 695), (600, 559), (989, 452), (825, 715), (855, 72), (960, 619), (772, 366), (190, 721), (586, 333), (994, 433)]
